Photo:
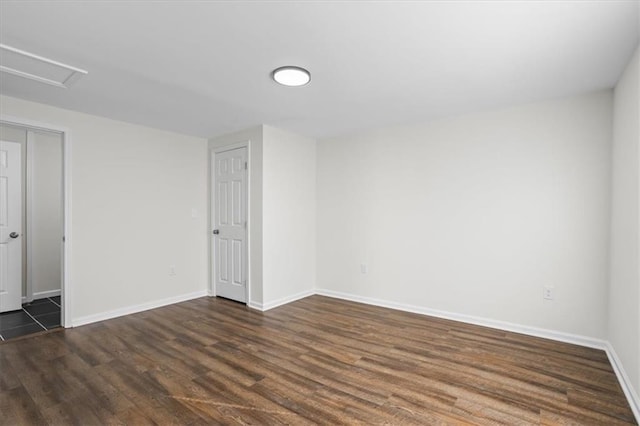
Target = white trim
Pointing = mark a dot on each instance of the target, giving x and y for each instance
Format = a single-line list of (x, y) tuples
[(45, 294), (66, 252), (230, 147), (137, 308), (211, 288), (248, 144), (42, 59), (624, 380), (282, 301), (29, 215), (67, 300), (485, 322), (255, 305), (34, 77)]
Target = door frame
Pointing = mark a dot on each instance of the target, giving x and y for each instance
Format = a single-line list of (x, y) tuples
[(65, 132), (212, 186), (29, 213)]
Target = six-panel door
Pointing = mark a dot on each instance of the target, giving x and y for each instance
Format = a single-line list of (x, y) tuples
[(230, 222), (10, 226)]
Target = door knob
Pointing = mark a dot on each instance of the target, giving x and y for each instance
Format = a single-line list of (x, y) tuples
[(216, 231), (14, 235)]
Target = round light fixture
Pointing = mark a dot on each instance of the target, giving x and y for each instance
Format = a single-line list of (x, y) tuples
[(291, 76)]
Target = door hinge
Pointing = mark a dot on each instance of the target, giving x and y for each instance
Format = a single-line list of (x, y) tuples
[(245, 165), (64, 239)]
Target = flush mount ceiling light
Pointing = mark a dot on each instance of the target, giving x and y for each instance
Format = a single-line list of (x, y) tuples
[(291, 76), (33, 67)]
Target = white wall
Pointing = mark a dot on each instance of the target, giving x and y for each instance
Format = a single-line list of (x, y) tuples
[(289, 215), (253, 137), (44, 206), (473, 215), (624, 297), (133, 189)]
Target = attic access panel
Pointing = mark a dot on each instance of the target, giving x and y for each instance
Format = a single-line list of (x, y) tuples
[(38, 68)]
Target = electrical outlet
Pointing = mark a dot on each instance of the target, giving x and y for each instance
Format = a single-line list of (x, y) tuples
[(172, 269), (547, 292), (363, 268)]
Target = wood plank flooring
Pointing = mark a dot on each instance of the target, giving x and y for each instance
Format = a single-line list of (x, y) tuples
[(315, 361)]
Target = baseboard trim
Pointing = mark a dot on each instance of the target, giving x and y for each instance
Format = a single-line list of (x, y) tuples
[(255, 305), (43, 294), (624, 380), (76, 322), (288, 299), (282, 301), (469, 319)]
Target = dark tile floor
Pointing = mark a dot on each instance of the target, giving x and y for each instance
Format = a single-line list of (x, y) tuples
[(39, 315)]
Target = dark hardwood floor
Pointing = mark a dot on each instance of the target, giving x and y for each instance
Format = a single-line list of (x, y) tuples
[(317, 360)]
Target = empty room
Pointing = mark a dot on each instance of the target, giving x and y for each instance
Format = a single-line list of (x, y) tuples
[(320, 212)]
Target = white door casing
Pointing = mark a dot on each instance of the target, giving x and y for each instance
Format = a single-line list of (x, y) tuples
[(10, 226), (230, 224)]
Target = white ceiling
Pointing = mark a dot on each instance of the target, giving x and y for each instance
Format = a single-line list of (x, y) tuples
[(203, 68)]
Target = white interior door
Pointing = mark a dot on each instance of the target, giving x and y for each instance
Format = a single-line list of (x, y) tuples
[(10, 226), (230, 224)]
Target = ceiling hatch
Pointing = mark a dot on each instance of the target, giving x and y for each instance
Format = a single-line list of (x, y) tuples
[(33, 67)]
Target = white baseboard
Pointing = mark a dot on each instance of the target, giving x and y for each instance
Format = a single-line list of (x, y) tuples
[(625, 381), (282, 301), (76, 322), (44, 294), (255, 305), (469, 319)]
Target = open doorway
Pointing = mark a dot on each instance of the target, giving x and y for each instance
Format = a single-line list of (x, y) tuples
[(31, 229)]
